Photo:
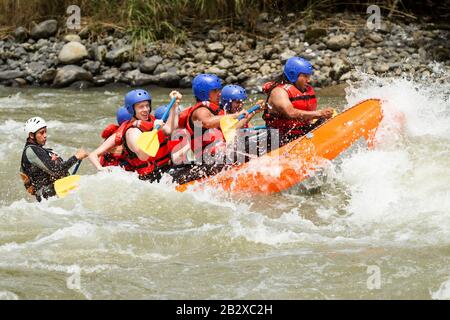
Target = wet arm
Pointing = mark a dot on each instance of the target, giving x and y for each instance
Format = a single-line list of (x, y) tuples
[(40, 158), (102, 149), (279, 100), (209, 121)]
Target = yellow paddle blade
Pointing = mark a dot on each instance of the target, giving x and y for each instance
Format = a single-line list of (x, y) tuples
[(227, 125), (65, 185), (148, 142)]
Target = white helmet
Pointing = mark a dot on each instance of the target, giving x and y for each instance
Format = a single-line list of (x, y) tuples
[(34, 124)]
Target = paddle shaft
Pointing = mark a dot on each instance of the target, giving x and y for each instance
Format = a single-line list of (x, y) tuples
[(252, 109), (255, 128), (76, 167), (166, 113)]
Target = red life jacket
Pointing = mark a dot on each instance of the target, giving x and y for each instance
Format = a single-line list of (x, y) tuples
[(109, 130), (300, 100), (115, 156), (161, 158), (210, 137)]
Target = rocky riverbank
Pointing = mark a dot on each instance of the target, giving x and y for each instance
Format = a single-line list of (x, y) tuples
[(338, 46)]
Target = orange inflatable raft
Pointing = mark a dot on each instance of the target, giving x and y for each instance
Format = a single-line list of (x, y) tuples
[(289, 165)]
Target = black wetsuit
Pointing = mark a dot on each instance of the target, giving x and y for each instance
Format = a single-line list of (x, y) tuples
[(43, 167)]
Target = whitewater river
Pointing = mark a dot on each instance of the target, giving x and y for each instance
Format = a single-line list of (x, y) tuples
[(378, 226)]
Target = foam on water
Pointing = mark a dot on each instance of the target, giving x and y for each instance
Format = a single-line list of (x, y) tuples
[(395, 196)]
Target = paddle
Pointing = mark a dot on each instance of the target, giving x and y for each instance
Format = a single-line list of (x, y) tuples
[(64, 185), (76, 167), (228, 124), (148, 142), (255, 128)]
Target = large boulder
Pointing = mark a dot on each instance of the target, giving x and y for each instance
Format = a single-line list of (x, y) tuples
[(149, 65), (72, 52), (11, 74), (119, 56), (338, 42), (170, 78), (69, 74), (45, 29)]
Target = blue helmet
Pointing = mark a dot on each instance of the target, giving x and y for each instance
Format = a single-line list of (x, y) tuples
[(203, 84), (135, 96), (295, 66), (122, 115), (231, 93), (159, 112)]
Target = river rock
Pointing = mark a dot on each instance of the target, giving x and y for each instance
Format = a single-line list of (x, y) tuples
[(92, 66), (45, 29), (186, 82), (118, 56), (375, 37), (148, 65), (100, 52), (72, 38), (215, 47), (287, 54), (225, 64), (84, 33), (137, 78), (109, 76), (339, 68), (69, 74), (36, 68), (313, 35), (11, 74), (201, 57), (72, 53), (338, 42), (48, 76), (214, 35), (170, 78), (215, 70), (381, 67), (21, 34)]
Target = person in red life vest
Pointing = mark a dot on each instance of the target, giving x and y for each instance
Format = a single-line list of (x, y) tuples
[(292, 102), (110, 152), (232, 100), (205, 115), (138, 104), (180, 142)]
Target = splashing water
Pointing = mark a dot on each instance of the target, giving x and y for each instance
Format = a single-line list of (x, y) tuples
[(387, 207)]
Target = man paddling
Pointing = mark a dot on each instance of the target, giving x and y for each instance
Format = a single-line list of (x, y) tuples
[(292, 101), (138, 104), (41, 167)]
